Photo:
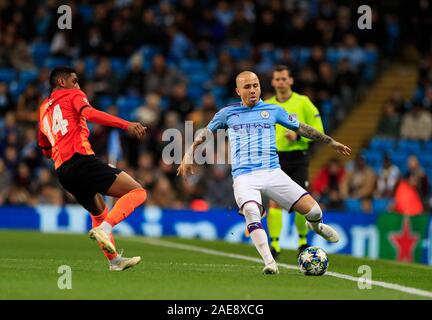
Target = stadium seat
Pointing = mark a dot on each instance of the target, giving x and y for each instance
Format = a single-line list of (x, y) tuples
[(90, 67), (127, 104), (409, 147), (39, 51), (195, 93), (199, 78), (425, 159), (240, 53), (7, 74), (372, 157), (304, 55), (52, 62), (381, 205), (382, 144), (86, 12), (353, 205), (147, 53), (428, 146), (119, 67), (27, 76), (398, 158), (103, 102), (189, 66), (16, 88)]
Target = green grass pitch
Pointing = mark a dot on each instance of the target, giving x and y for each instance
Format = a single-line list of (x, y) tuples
[(29, 262)]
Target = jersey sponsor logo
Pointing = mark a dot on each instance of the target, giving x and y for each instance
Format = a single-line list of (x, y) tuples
[(251, 126), (265, 114)]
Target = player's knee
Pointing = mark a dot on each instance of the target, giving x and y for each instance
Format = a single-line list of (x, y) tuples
[(140, 195), (314, 214), (251, 212)]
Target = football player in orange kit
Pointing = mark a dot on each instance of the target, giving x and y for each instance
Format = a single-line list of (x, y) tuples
[(63, 136)]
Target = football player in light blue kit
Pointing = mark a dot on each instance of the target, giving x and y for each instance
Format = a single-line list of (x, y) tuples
[(255, 163)]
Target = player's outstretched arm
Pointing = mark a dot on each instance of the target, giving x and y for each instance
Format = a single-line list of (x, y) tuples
[(311, 133), (135, 129), (186, 166)]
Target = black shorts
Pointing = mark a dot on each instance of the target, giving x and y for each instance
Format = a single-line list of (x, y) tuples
[(86, 175), (296, 165)]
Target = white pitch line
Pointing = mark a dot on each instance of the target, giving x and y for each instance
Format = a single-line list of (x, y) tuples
[(187, 247)]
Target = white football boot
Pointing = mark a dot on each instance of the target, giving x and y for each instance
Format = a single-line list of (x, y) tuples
[(123, 263), (102, 238), (271, 268), (324, 231)]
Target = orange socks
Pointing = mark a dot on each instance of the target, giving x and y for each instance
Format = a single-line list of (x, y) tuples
[(121, 210), (126, 205), (96, 221)]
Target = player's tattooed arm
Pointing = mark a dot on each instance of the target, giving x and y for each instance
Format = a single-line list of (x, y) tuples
[(311, 133), (186, 166)]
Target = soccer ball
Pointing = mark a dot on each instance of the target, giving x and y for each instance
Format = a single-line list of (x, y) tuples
[(313, 261)]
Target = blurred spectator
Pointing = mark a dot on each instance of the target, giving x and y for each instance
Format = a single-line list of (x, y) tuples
[(135, 78), (150, 113), (6, 103), (163, 194), (17, 196), (106, 81), (359, 183), (205, 113), (161, 78), (218, 187), (326, 185), (5, 181), (417, 124), (416, 177), (28, 105), (16, 52), (407, 200), (388, 178), (179, 101), (389, 124)]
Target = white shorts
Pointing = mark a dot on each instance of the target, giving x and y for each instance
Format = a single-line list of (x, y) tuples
[(273, 183)]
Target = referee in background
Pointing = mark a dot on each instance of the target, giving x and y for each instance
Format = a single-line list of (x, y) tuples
[(292, 150)]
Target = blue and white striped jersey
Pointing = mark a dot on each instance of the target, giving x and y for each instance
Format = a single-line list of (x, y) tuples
[(251, 133)]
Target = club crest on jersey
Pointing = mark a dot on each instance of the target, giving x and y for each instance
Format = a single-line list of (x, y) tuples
[(265, 114)]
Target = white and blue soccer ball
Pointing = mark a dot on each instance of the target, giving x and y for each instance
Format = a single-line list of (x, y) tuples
[(313, 261)]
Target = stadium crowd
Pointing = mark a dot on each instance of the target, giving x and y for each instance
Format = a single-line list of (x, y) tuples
[(164, 62)]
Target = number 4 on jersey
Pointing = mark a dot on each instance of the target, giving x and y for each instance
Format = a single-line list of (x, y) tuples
[(58, 124)]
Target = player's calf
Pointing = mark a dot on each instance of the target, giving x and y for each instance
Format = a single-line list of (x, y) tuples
[(123, 208), (257, 233)]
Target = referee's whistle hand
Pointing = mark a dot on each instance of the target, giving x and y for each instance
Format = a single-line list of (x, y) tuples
[(136, 129)]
